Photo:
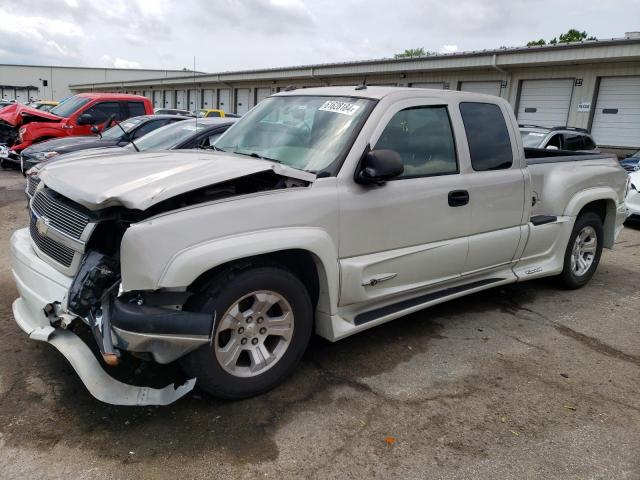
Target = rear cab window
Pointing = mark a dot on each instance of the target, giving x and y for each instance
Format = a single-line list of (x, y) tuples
[(487, 136), (136, 109)]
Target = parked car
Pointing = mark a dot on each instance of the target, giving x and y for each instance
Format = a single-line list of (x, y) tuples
[(117, 136), (329, 209), (190, 134), (633, 197), (6, 103), (174, 111), (632, 162), (558, 138), (213, 112), (22, 126), (44, 105)]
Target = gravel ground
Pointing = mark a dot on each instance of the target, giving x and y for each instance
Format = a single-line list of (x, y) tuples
[(521, 382)]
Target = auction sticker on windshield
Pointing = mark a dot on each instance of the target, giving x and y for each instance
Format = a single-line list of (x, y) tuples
[(339, 107)]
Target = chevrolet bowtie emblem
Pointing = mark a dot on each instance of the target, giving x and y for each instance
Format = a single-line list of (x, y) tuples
[(42, 225)]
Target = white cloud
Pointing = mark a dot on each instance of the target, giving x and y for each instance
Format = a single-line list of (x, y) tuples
[(247, 34), (118, 62)]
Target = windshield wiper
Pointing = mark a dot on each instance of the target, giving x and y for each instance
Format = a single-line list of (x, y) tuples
[(256, 155)]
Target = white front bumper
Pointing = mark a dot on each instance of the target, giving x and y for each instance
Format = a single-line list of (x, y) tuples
[(40, 284), (633, 202)]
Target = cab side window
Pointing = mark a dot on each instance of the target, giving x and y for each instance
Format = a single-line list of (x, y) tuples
[(209, 140), (103, 110), (573, 141), (423, 138), (487, 136), (589, 144), (555, 141)]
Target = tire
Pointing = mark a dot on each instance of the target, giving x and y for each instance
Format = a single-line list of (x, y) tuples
[(229, 376), (576, 273)]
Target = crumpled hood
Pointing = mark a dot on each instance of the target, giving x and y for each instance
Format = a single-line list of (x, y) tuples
[(140, 180), (16, 113)]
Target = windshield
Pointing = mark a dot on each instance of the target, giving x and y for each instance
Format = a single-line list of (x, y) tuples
[(169, 136), (532, 139), (306, 132), (69, 106), (128, 125)]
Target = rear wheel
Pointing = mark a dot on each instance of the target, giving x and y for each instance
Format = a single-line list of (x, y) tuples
[(262, 324), (583, 252)]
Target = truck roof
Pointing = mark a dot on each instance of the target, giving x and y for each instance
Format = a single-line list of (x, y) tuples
[(123, 96), (377, 93)]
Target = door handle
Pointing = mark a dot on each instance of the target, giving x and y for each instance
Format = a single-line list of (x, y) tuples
[(458, 198)]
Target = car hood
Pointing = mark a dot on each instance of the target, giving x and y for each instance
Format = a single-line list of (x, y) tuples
[(68, 144), (17, 114), (141, 180)]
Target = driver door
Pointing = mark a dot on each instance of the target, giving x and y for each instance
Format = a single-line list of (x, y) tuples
[(406, 235)]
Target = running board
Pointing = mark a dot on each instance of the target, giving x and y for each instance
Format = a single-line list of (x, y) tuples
[(372, 315)]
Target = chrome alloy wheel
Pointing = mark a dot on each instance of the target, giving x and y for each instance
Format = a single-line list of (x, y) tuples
[(584, 251), (254, 333)]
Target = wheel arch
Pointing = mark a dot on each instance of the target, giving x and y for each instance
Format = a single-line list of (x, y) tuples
[(602, 202), (308, 253)]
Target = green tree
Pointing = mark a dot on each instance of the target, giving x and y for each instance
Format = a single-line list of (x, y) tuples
[(414, 52), (572, 35)]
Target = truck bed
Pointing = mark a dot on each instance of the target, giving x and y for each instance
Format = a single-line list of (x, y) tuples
[(536, 156)]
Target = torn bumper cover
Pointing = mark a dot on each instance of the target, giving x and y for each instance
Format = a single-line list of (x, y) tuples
[(39, 285)]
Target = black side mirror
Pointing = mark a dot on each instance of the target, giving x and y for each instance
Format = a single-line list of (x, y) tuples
[(378, 166), (86, 119), (95, 129)]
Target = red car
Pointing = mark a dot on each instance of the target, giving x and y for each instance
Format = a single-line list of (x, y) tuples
[(21, 126)]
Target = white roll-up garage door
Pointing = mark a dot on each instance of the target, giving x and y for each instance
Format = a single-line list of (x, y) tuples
[(434, 85), (157, 99), (169, 99), (194, 101), (242, 100), (545, 102), (207, 98), (262, 93), (488, 88), (21, 95), (224, 99), (616, 120), (181, 99)]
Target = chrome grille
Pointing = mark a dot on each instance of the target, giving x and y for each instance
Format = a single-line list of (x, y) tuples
[(32, 184), (61, 216), (60, 253)]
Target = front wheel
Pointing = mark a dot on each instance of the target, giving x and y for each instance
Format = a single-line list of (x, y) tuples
[(263, 321), (583, 252)]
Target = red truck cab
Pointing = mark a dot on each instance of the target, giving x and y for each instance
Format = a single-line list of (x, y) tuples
[(21, 126)]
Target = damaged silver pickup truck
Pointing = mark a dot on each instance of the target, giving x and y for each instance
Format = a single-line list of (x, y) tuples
[(330, 210)]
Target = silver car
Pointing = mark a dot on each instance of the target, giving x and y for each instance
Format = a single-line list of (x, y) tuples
[(558, 138)]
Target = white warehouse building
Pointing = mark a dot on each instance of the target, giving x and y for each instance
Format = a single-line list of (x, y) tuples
[(25, 82), (590, 84)]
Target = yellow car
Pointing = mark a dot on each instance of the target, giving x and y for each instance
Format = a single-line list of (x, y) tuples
[(44, 105), (213, 112)]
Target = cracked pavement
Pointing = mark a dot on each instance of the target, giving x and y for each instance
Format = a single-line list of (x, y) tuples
[(526, 381)]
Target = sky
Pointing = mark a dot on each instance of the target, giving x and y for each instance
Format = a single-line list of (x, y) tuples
[(228, 35)]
